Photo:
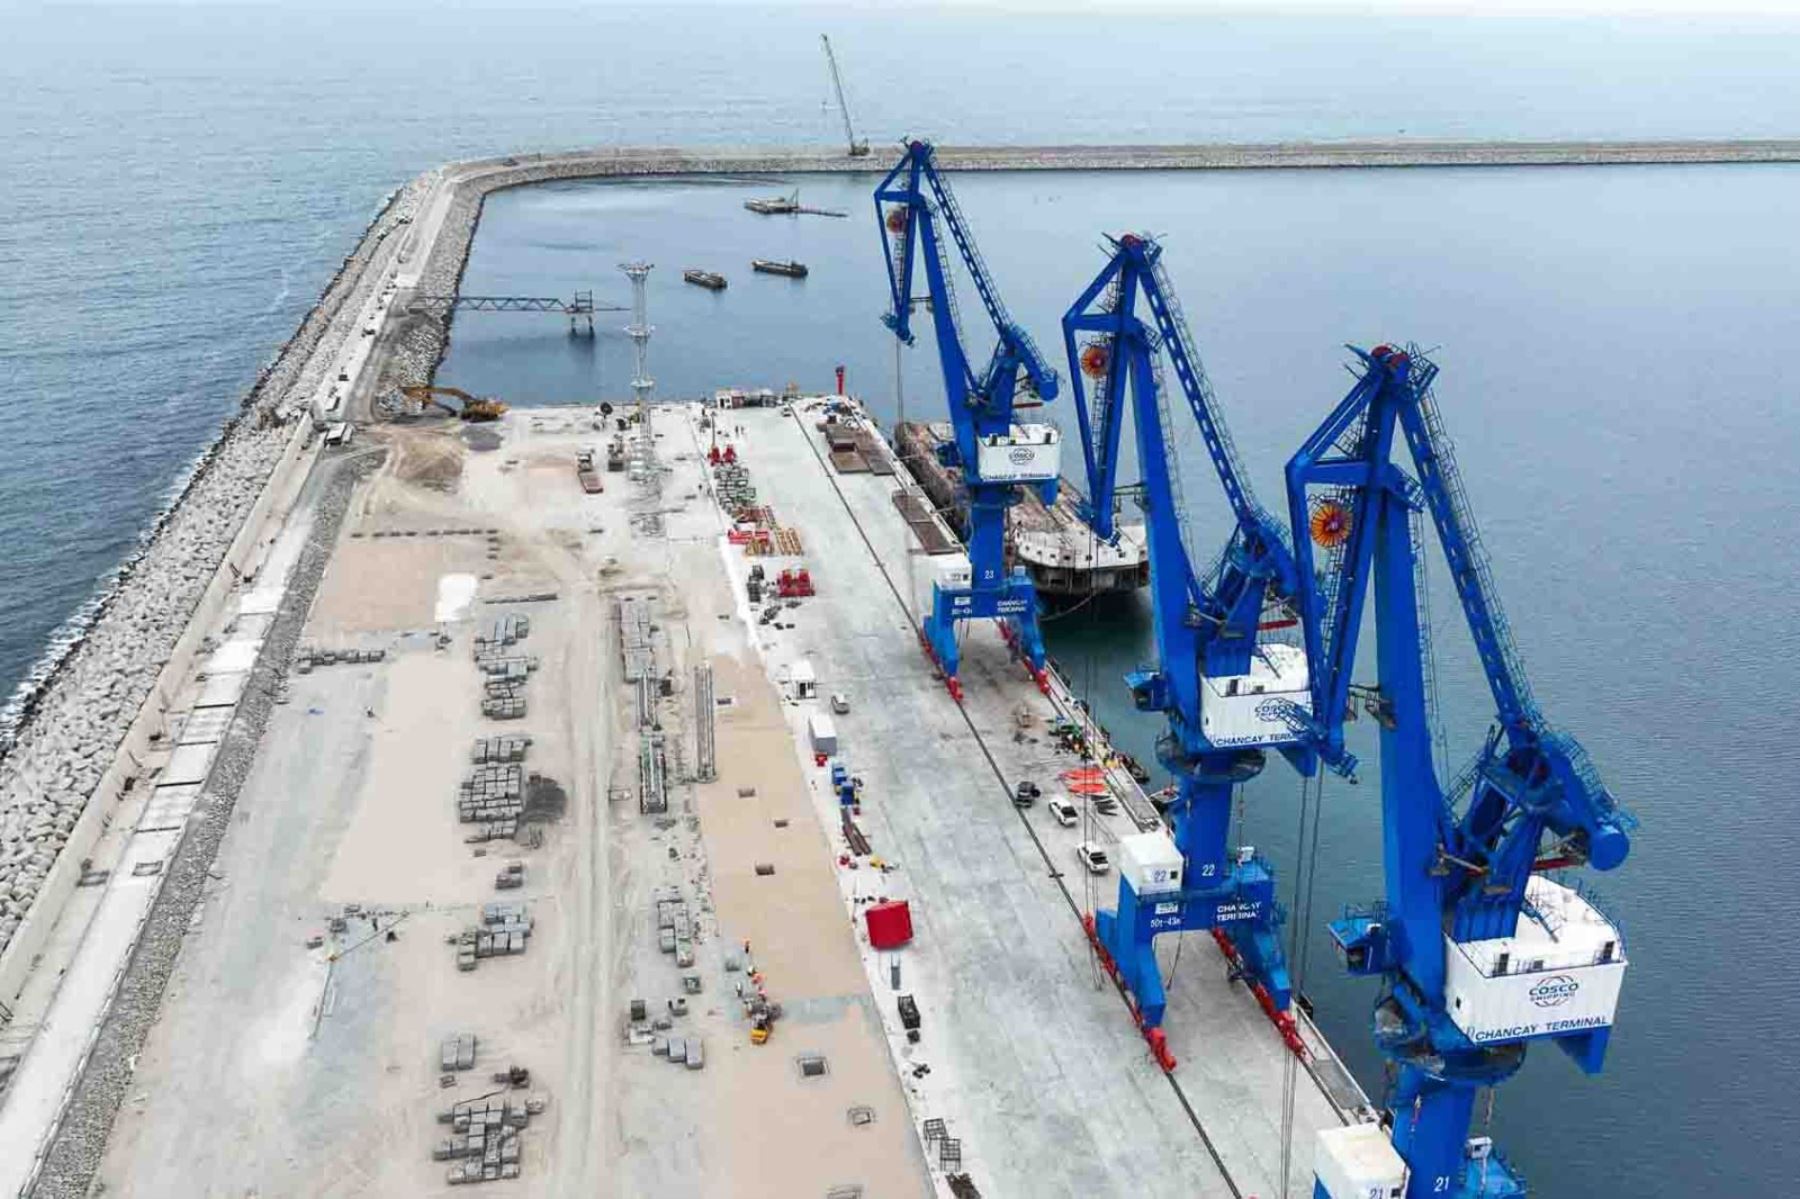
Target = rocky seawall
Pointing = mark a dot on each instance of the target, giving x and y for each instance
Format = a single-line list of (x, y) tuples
[(70, 726)]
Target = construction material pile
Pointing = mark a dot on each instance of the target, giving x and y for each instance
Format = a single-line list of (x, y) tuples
[(309, 656), (492, 797), (503, 693), (486, 1142), (675, 932), (504, 931)]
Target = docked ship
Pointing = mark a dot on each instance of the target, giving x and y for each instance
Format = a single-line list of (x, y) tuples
[(1057, 548), (711, 280), (793, 270)]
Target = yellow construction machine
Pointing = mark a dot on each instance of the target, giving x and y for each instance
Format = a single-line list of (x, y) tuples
[(473, 408)]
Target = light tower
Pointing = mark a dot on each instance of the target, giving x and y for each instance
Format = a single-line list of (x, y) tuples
[(639, 331)]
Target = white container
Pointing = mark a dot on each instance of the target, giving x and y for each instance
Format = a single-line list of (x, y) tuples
[(1027, 454), (822, 733), (1239, 709), (1558, 975), (1150, 863), (1358, 1162)]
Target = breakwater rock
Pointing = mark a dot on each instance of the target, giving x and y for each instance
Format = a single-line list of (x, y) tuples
[(67, 728)]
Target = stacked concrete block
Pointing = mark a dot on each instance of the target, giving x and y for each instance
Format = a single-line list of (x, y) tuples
[(511, 707), (486, 1142), (492, 793), (491, 830), (309, 656), (674, 926), (498, 634), (457, 1053), (504, 931), (513, 668), (506, 912), (505, 673), (500, 749)]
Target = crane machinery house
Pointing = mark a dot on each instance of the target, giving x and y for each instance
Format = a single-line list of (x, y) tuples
[(1258, 708), (1560, 971), (1025, 454)]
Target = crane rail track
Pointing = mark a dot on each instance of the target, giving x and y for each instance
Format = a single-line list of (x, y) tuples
[(1056, 876)]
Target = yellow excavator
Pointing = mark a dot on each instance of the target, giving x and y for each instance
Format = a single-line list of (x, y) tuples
[(473, 408)]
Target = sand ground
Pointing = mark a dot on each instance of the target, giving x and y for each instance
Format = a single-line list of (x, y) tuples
[(276, 1069)]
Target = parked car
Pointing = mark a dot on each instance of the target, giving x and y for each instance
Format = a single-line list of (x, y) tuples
[(1026, 793), (1093, 857), (1063, 812), (840, 703)]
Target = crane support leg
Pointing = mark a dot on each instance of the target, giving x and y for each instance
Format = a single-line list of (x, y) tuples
[(989, 592), (1231, 895), (1431, 1122)]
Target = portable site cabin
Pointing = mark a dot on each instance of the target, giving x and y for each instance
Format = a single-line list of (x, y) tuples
[(806, 684)]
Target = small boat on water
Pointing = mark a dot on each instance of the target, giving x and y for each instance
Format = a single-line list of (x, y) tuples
[(793, 270), (775, 205), (711, 280)]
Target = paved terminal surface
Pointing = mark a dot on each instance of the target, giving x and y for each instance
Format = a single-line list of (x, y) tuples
[(1034, 1060)]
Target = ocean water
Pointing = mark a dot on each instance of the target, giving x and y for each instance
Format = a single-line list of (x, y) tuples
[(177, 183)]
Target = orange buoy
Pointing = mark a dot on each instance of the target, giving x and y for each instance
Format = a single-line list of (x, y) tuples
[(1330, 524), (896, 220), (1094, 360)]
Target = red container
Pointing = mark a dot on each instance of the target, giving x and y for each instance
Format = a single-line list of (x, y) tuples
[(890, 924)]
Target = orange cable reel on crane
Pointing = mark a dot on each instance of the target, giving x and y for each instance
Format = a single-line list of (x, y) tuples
[(1329, 523), (1095, 359)]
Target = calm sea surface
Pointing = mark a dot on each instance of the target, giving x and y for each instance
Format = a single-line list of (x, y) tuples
[(176, 184)]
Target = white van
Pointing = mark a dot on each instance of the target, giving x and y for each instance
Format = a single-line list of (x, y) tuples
[(1063, 812)]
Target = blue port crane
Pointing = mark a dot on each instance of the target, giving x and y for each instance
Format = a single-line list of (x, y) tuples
[(1482, 946), (1229, 674), (995, 456)]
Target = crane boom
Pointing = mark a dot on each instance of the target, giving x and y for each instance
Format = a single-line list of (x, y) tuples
[(856, 149), (1480, 950)]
